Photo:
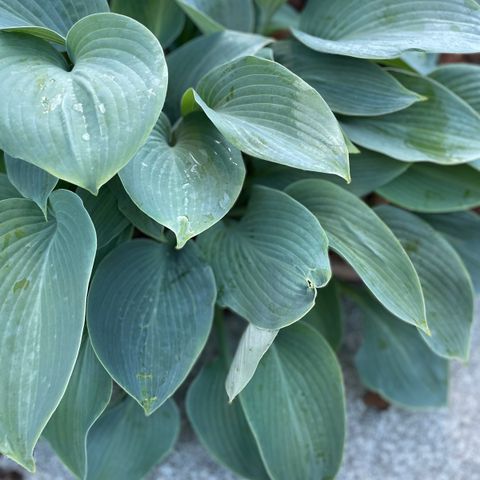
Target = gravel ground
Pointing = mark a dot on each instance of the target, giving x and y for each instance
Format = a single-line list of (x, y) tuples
[(382, 445)]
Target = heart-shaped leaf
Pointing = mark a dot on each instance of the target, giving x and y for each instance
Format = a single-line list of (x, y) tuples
[(268, 264), (186, 178), (395, 362), (388, 28), (268, 112), (82, 125), (216, 15), (253, 345), (44, 275), (32, 182), (295, 407), (435, 188), (445, 282), (442, 129), (462, 230), (163, 18), (124, 444), (349, 85), (103, 210), (189, 63), (50, 19), (357, 234), (222, 427), (87, 395), (150, 310)]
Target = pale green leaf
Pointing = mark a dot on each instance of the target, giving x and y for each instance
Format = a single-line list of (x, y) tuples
[(396, 363), (86, 397), (186, 178), (326, 315), (103, 209), (141, 220), (123, 237), (32, 182), (81, 125), (266, 9), (462, 230), (295, 407), (421, 62), (358, 235), (388, 28), (284, 18), (252, 346), (50, 19), (44, 275), (221, 426), (124, 444), (445, 282), (268, 264), (150, 311), (189, 63), (163, 18), (349, 85), (435, 188), (442, 129), (216, 15), (268, 112)]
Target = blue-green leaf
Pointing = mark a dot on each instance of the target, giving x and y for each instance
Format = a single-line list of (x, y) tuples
[(86, 397), (124, 444), (268, 112), (357, 234), (44, 273), (295, 407), (388, 28), (222, 427), (150, 310), (350, 86), (186, 178), (269, 263)]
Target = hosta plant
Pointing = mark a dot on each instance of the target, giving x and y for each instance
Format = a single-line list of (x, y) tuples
[(187, 188)]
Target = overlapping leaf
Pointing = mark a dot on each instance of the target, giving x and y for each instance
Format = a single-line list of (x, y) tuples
[(252, 346), (395, 362), (164, 18), (124, 444), (216, 15), (442, 129), (222, 427), (350, 86), (86, 397), (189, 63), (103, 209), (462, 230), (435, 188), (44, 273), (50, 19), (294, 405), (326, 315), (185, 178), (150, 310), (82, 125), (32, 182), (357, 234), (268, 264), (445, 282), (266, 9), (388, 28), (270, 113)]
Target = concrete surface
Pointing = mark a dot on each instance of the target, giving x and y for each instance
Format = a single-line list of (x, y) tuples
[(382, 445)]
